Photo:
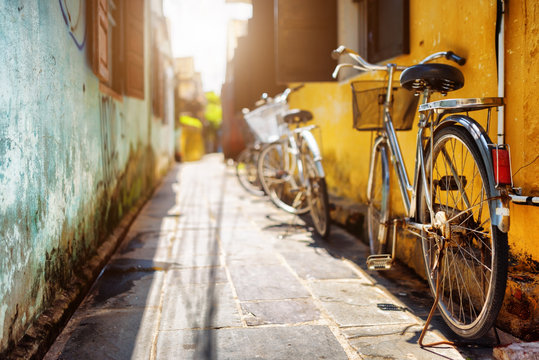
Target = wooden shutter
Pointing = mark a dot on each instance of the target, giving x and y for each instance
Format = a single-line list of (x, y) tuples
[(306, 33), (158, 83), (99, 24), (134, 48)]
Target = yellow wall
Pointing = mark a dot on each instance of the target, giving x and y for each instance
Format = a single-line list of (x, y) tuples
[(468, 28), (522, 118)]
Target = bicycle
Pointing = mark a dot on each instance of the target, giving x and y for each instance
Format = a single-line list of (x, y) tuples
[(246, 169), (458, 203), (291, 171), (265, 125)]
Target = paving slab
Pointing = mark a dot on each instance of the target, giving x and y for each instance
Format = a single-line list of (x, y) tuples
[(252, 258), (197, 306), (318, 264), (123, 290), (280, 312), (109, 334), (401, 346), (204, 275), (266, 282), (194, 242), (357, 303), (298, 342), (148, 239)]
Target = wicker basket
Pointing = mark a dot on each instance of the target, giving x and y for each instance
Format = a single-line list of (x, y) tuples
[(266, 121), (368, 98)]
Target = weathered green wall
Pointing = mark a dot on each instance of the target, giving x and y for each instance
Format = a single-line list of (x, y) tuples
[(72, 160)]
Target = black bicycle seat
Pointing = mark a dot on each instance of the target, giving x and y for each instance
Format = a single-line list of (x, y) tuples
[(436, 77), (297, 116)]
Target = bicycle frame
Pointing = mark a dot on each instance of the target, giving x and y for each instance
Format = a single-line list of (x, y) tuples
[(409, 191), (393, 144), (295, 139)]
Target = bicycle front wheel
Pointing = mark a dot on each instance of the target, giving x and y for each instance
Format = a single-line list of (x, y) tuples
[(317, 198), (278, 171), (472, 272), (378, 199), (247, 171)]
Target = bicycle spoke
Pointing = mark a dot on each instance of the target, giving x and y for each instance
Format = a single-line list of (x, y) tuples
[(462, 283), (462, 250)]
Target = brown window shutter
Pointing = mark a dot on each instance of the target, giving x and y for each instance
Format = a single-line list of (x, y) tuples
[(134, 48), (158, 84), (99, 35), (306, 33)]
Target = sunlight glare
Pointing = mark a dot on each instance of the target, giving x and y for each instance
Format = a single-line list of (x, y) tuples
[(199, 29)]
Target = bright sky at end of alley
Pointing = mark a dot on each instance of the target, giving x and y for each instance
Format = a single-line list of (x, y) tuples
[(199, 29)]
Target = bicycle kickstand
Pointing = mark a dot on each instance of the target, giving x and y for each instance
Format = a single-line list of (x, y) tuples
[(436, 272)]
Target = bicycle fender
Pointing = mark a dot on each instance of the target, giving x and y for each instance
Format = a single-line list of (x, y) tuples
[(313, 147), (482, 140)]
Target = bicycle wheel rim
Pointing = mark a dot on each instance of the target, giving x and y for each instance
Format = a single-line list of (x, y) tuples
[(378, 200), (473, 269), (278, 173), (318, 199), (247, 172)]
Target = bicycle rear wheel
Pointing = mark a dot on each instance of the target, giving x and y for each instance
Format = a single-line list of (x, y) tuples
[(278, 171), (473, 270), (247, 171), (378, 199), (317, 198)]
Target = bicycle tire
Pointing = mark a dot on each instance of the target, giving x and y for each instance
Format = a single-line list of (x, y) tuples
[(317, 198), (378, 199), (473, 271), (278, 171), (247, 171)]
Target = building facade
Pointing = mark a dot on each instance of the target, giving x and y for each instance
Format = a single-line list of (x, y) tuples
[(85, 135)]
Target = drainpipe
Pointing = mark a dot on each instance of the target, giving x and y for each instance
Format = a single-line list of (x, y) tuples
[(501, 67)]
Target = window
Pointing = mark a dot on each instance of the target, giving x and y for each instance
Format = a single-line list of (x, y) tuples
[(383, 29), (116, 44)]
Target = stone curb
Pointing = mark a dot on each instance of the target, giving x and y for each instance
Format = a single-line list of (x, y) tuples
[(349, 214)]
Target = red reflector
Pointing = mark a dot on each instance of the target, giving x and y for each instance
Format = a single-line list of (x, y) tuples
[(502, 166)]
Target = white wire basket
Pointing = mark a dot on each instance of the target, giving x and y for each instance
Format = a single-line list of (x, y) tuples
[(266, 121)]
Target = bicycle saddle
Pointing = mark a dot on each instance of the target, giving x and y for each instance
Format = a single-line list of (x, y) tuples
[(297, 116), (436, 77)]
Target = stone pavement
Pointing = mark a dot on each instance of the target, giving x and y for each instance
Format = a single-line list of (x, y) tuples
[(208, 271)]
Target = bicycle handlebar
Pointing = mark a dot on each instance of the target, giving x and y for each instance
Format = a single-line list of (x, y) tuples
[(450, 55), (363, 65), (284, 95)]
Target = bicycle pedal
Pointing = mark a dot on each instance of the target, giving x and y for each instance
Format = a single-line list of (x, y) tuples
[(380, 262)]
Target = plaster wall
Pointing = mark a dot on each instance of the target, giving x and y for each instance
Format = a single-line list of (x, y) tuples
[(73, 161), (467, 28)]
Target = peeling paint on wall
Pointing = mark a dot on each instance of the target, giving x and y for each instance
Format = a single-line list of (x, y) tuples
[(72, 160)]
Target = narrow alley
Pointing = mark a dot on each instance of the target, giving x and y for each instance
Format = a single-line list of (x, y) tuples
[(210, 271), (401, 130)]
